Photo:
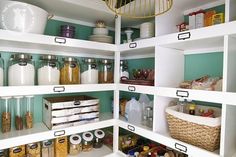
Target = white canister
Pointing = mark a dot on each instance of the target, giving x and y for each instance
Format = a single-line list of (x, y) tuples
[(147, 30)]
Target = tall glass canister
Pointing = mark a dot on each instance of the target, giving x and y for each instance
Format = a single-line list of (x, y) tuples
[(106, 71), (89, 71), (1, 71), (6, 114), (18, 111), (29, 116)]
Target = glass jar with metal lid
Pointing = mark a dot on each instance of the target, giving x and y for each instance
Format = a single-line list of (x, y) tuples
[(47, 148), (21, 71), (99, 135), (1, 71), (87, 141), (75, 144), (124, 73), (106, 71), (49, 70), (89, 71), (70, 71)]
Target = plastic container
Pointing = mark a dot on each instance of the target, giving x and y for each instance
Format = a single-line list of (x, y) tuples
[(29, 116), (18, 111), (124, 73), (6, 114), (70, 71), (21, 71), (1, 71), (133, 111), (75, 144), (106, 71), (87, 141), (89, 71), (99, 135), (47, 148), (49, 70), (60, 147)]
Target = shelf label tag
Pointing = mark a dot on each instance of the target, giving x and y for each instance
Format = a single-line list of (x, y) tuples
[(181, 93), (59, 89), (59, 133), (60, 40), (131, 128), (181, 147), (133, 45), (184, 36)]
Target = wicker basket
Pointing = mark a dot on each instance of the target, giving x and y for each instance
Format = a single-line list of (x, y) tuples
[(203, 132)]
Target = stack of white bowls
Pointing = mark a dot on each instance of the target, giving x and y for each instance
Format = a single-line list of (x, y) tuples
[(147, 30)]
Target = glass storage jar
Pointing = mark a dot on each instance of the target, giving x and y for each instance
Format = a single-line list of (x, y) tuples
[(33, 149), (6, 114), (49, 70), (99, 135), (70, 71), (89, 71), (87, 141), (106, 71), (18, 111), (18, 151), (1, 71), (29, 116), (21, 71), (124, 73), (60, 147), (75, 146), (47, 148)]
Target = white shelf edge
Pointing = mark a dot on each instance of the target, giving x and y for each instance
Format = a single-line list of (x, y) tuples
[(116, 154), (137, 88)]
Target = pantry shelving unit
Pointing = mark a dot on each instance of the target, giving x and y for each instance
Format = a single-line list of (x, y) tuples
[(168, 48)]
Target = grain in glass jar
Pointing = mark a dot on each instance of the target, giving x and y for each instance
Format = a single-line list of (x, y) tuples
[(6, 114), (99, 135), (87, 141), (49, 70), (75, 142), (106, 71), (18, 111), (60, 147), (4, 153), (70, 71), (89, 71), (18, 151), (1, 71), (29, 116), (124, 73), (21, 71), (48, 148), (33, 149)]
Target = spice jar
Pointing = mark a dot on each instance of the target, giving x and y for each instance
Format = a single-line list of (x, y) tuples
[(48, 148), (18, 109), (29, 117), (124, 73), (99, 135), (6, 114), (75, 145), (3, 153), (70, 71), (49, 70), (1, 71), (89, 73), (18, 151), (87, 141), (106, 71), (21, 71), (60, 147), (33, 149)]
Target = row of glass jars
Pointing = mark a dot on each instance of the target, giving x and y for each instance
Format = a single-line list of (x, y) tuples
[(21, 71), (19, 107)]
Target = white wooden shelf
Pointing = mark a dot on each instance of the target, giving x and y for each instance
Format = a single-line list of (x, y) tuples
[(40, 132), (42, 44), (37, 90), (137, 88), (117, 154)]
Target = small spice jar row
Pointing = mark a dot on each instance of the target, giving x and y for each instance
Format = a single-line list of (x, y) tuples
[(22, 107), (21, 70)]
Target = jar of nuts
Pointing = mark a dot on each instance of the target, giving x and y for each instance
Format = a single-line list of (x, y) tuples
[(18, 151), (75, 144), (29, 118), (60, 147), (87, 141), (6, 114)]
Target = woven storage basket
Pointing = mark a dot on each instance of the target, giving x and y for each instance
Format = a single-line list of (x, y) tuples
[(203, 132)]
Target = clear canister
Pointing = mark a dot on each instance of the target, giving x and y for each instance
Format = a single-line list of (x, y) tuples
[(106, 71), (1, 71), (60, 147), (18, 111), (124, 73), (99, 135), (49, 70), (18, 151), (70, 71), (21, 70), (87, 141), (89, 71), (48, 148), (6, 114), (33, 149), (75, 146), (29, 116)]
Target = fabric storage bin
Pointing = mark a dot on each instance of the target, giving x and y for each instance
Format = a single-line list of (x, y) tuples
[(203, 132)]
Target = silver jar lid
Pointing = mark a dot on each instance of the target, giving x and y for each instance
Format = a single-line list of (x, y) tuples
[(87, 136), (21, 56), (106, 61), (69, 59), (89, 60), (48, 57)]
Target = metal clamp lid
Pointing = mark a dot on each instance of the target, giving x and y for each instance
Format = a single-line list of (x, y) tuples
[(48, 57), (69, 59), (87, 136), (21, 56)]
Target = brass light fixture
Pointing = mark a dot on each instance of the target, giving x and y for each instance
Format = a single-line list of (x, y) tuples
[(139, 8)]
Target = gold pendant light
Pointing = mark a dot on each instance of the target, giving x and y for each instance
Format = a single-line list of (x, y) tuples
[(139, 8)]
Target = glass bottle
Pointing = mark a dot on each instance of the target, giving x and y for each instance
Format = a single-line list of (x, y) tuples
[(6, 114), (21, 71), (18, 112), (70, 71), (89, 71), (1, 71), (106, 71), (99, 135), (29, 116), (49, 70), (87, 141), (124, 73), (75, 144)]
